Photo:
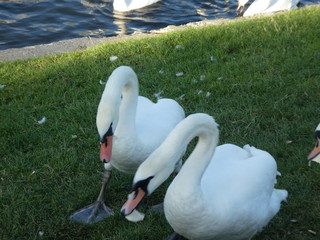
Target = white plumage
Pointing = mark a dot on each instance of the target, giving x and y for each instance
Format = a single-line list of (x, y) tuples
[(128, 5), (267, 6), (223, 192)]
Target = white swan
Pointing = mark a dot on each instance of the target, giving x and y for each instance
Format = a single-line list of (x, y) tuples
[(223, 192), (315, 153), (266, 6), (128, 5), (130, 128)]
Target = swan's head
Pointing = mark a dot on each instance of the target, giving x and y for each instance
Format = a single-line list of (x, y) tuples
[(315, 153), (149, 176), (240, 8)]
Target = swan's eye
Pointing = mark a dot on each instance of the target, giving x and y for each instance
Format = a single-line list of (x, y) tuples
[(109, 133), (143, 184)]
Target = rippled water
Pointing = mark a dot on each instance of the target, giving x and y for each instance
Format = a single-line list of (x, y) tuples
[(31, 22)]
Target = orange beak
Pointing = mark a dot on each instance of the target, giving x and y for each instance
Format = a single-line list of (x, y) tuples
[(106, 150), (316, 151), (133, 201)]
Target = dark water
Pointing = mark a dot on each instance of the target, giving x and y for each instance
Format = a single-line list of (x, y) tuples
[(31, 22)]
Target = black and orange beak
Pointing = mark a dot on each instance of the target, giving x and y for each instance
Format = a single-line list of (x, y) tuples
[(133, 201), (106, 150), (316, 151)]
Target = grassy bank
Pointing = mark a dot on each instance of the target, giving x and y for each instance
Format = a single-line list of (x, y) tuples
[(259, 78)]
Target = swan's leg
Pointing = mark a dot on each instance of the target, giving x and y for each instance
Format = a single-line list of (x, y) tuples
[(98, 210), (175, 236)]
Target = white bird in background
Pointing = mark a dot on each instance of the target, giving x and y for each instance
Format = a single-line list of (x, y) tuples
[(223, 192), (128, 5), (265, 6), (315, 153), (130, 127)]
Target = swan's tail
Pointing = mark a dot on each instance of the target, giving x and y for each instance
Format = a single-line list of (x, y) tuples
[(278, 196)]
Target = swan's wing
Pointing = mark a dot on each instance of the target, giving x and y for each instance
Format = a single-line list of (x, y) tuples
[(154, 121), (240, 182)]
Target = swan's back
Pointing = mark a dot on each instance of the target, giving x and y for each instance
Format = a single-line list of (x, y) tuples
[(268, 6), (238, 196), (128, 5), (157, 119), (239, 184), (153, 123)]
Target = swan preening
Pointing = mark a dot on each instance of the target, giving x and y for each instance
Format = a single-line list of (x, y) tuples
[(266, 6), (315, 153), (128, 5), (130, 127), (221, 192)]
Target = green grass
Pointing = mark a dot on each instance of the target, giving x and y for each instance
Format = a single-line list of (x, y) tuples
[(264, 90)]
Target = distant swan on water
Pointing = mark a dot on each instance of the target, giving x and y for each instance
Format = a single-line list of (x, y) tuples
[(265, 6), (128, 5)]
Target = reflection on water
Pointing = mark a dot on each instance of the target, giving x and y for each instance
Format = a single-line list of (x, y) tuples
[(31, 22)]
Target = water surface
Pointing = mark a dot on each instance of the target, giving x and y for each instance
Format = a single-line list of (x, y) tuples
[(31, 22)]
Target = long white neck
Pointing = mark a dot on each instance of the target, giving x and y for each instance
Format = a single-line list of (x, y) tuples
[(189, 177), (206, 129), (119, 102)]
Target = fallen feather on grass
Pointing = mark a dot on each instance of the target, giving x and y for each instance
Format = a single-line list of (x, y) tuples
[(213, 59), (102, 82), (2, 86), (179, 74), (193, 80), (219, 78), (179, 47), (181, 97), (43, 120), (158, 95), (161, 71), (113, 58), (74, 136), (208, 94), (135, 216), (202, 77), (312, 232)]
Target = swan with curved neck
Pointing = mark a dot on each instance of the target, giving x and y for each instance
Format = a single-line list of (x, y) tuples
[(265, 6), (130, 128), (223, 192), (128, 5)]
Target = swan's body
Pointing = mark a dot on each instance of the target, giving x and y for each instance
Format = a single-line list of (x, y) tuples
[(223, 192), (128, 5), (130, 128), (267, 6), (315, 153)]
